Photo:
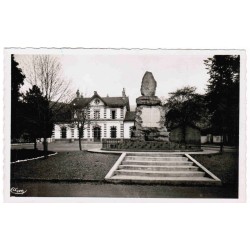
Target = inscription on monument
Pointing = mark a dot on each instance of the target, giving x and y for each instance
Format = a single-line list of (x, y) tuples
[(150, 117)]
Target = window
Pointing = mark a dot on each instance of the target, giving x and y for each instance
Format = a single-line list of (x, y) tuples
[(97, 101), (97, 114), (113, 114), (113, 132), (63, 133)]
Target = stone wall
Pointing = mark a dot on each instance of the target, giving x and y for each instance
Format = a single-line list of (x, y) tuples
[(130, 145)]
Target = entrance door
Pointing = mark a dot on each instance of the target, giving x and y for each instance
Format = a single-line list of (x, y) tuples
[(97, 134)]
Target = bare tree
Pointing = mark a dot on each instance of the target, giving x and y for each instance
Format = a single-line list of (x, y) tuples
[(82, 120), (45, 71)]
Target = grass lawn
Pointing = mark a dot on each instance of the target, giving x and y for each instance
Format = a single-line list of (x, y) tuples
[(93, 166), (65, 166), (224, 166), (89, 169)]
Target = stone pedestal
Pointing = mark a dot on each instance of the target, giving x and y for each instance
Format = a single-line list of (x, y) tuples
[(150, 120), (150, 115)]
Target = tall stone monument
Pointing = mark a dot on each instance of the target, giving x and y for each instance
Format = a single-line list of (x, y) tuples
[(150, 114)]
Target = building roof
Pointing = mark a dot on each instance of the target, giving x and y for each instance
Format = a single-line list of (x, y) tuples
[(130, 116), (116, 101), (108, 101)]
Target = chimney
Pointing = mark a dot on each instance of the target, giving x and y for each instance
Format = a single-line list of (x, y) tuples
[(77, 93), (95, 92), (123, 93)]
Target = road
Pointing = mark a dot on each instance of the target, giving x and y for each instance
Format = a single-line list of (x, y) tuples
[(102, 189)]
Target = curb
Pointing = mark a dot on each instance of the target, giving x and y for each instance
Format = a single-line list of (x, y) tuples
[(31, 159)]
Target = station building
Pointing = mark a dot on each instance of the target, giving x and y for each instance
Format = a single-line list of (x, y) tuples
[(107, 117)]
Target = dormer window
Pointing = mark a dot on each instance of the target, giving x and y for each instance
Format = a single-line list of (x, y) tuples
[(97, 101)]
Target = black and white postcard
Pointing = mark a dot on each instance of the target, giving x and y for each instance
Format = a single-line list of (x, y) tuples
[(84, 124)]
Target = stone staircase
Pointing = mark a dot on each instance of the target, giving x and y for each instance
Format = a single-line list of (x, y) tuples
[(160, 168)]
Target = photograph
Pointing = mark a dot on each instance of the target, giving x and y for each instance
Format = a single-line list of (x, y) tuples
[(124, 123)]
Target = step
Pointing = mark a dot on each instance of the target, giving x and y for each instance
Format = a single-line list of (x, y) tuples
[(158, 158), (159, 173), (154, 154), (161, 163), (164, 180), (158, 168)]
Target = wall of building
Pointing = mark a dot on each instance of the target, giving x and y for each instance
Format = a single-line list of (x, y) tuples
[(106, 112), (203, 139), (105, 122), (192, 136), (210, 139), (88, 132), (176, 135), (127, 126), (217, 139)]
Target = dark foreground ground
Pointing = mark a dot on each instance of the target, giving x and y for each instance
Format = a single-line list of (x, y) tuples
[(95, 189), (81, 174)]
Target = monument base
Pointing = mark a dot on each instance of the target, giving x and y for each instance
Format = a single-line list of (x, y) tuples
[(148, 100), (150, 120)]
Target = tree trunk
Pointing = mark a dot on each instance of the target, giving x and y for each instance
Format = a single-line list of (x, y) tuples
[(221, 144), (35, 144), (45, 147), (79, 138), (80, 143)]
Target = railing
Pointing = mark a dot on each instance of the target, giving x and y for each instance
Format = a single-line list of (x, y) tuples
[(111, 143), (128, 144)]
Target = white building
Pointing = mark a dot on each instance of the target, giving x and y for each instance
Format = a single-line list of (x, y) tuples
[(108, 117)]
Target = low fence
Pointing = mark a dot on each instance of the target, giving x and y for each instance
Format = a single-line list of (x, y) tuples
[(128, 144)]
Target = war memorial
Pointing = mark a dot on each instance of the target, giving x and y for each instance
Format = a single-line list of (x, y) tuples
[(150, 114), (149, 156), (149, 132)]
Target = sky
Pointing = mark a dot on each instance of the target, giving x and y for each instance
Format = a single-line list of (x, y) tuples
[(108, 73)]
